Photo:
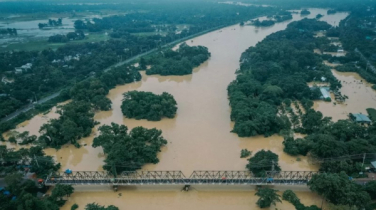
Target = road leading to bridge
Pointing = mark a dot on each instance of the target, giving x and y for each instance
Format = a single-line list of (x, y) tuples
[(43, 100)]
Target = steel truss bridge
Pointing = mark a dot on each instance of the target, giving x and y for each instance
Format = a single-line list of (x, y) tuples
[(132, 178)]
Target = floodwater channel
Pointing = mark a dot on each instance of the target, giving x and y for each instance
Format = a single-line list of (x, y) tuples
[(199, 137)]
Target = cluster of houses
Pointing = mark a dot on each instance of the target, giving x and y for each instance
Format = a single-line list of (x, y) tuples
[(67, 58), (23, 68), (6, 80)]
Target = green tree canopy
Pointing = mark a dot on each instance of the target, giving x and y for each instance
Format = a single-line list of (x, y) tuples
[(147, 105), (129, 151), (263, 161), (339, 189), (267, 197), (94, 206), (75, 121)]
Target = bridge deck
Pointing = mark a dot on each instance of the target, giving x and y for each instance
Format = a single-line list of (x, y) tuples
[(178, 178)]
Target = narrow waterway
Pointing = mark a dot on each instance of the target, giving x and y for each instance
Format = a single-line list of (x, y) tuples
[(199, 137)]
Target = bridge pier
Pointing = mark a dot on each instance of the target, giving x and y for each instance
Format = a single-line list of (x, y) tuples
[(186, 188)]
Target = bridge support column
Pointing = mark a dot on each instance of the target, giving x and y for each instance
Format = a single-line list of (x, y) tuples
[(186, 188)]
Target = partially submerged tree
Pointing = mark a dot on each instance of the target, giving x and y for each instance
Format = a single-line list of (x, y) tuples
[(147, 105), (263, 161), (128, 151), (267, 197), (94, 206)]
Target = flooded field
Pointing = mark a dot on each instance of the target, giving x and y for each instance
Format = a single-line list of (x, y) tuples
[(360, 93), (28, 30), (199, 137)]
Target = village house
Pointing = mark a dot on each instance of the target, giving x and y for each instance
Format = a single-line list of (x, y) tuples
[(19, 70), (360, 118)]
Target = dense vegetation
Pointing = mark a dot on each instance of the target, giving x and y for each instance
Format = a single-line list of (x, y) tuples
[(263, 23), (290, 196), (179, 62), (94, 206), (78, 35), (128, 151), (267, 197), (357, 35), (23, 192), (273, 77), (23, 195), (147, 105), (13, 161), (53, 70), (75, 122), (51, 23), (339, 189), (305, 12), (9, 31), (318, 16), (372, 114), (276, 69), (263, 161)]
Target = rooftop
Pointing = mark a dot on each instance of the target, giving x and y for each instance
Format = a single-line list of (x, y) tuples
[(325, 93), (361, 118)]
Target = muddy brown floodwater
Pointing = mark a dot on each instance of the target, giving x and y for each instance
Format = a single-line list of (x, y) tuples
[(360, 93), (199, 137)]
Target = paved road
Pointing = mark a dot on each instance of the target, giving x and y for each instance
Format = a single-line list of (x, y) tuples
[(43, 100), (29, 106), (369, 64)]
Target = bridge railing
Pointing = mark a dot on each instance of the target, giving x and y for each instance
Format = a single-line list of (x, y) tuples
[(178, 178)]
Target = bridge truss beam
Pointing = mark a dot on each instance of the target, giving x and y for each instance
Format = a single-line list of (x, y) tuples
[(178, 178)]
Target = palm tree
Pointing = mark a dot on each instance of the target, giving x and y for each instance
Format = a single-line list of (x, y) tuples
[(267, 197)]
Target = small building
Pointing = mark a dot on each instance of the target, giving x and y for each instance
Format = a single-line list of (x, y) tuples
[(325, 93), (373, 164), (19, 70), (360, 118)]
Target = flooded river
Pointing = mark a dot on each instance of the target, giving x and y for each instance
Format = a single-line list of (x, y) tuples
[(199, 137)]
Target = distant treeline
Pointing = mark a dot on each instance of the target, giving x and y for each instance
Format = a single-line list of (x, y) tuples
[(9, 31), (78, 35), (51, 23)]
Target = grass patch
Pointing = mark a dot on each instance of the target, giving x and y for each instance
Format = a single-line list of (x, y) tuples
[(150, 33), (38, 45), (245, 153)]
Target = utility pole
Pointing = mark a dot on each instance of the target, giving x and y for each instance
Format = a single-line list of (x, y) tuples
[(364, 157), (36, 160), (114, 170)]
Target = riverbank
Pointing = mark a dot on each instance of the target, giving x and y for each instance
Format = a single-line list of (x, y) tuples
[(199, 137)]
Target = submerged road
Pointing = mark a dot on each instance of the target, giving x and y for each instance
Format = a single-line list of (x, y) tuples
[(52, 96)]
